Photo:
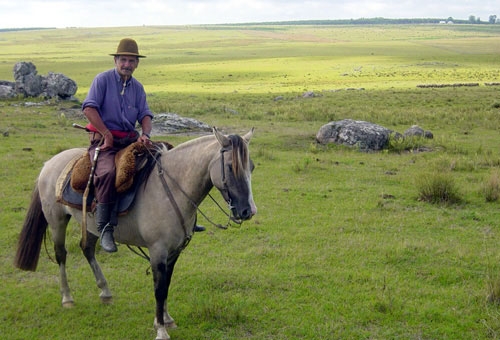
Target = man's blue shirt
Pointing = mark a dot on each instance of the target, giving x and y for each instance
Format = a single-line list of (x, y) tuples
[(119, 105)]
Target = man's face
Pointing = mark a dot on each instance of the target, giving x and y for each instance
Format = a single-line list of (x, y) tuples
[(126, 65)]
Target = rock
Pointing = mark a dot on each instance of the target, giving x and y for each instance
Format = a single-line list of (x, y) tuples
[(22, 69), (166, 123), (58, 85), (367, 136), (29, 84), (7, 83), (417, 131), (310, 94), (7, 92)]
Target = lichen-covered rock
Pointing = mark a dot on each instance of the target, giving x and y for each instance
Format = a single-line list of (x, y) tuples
[(367, 136)]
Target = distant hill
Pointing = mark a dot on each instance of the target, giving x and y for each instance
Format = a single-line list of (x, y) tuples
[(362, 21), (25, 29), (359, 21)]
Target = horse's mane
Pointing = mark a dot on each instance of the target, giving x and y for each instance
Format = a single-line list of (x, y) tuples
[(151, 160), (241, 160)]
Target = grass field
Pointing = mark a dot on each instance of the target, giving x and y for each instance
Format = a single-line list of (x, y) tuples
[(341, 247), (263, 59)]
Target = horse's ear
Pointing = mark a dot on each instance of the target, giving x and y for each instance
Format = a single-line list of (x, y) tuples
[(248, 136), (223, 140)]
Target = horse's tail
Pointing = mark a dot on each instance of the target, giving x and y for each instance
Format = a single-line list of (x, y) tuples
[(32, 234)]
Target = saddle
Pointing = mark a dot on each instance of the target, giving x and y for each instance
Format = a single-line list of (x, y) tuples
[(129, 162)]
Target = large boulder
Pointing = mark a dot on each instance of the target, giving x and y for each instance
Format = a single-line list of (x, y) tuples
[(58, 85), (29, 84), (367, 136), (168, 123), (22, 69)]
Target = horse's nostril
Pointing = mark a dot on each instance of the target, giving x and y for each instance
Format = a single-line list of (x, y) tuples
[(246, 214)]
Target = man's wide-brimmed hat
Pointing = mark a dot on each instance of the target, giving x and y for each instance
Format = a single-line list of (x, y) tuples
[(128, 46)]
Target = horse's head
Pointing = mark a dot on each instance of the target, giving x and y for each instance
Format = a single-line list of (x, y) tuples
[(231, 173)]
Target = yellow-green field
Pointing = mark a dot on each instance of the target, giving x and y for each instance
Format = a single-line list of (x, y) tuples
[(341, 247), (267, 59)]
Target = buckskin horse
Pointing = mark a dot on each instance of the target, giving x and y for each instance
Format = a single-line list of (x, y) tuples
[(162, 218)]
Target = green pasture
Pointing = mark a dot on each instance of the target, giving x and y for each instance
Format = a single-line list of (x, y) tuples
[(263, 59), (341, 246)]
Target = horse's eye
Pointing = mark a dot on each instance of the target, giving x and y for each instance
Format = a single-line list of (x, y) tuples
[(230, 167)]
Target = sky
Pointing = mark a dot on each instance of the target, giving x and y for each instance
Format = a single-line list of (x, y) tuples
[(112, 13)]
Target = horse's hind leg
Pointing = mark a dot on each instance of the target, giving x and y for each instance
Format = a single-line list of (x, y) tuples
[(67, 299), (89, 252)]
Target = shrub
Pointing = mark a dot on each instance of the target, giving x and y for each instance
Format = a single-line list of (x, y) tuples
[(437, 188)]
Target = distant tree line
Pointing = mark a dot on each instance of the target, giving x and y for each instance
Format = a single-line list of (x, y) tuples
[(25, 29), (361, 21), (379, 21)]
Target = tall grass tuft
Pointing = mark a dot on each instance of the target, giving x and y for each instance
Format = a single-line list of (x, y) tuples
[(491, 188), (398, 144), (494, 291), (437, 188)]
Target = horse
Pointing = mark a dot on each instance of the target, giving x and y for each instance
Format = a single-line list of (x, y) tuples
[(162, 218)]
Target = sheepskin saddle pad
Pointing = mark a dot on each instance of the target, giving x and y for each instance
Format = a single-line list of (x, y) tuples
[(73, 180), (128, 162)]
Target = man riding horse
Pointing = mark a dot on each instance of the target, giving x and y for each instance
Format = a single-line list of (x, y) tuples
[(115, 103)]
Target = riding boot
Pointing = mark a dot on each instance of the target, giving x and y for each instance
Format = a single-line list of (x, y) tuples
[(199, 228), (105, 227)]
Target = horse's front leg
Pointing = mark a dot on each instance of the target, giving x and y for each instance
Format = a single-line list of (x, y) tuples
[(89, 251), (162, 275)]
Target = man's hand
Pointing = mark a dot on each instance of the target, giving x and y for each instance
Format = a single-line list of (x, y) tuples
[(108, 140), (144, 139), (95, 119)]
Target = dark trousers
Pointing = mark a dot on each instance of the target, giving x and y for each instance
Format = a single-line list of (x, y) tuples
[(105, 170), (105, 173)]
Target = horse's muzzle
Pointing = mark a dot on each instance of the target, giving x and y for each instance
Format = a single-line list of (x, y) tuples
[(245, 213)]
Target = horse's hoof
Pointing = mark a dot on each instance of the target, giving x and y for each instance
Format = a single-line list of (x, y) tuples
[(68, 304), (171, 324), (162, 334), (107, 300)]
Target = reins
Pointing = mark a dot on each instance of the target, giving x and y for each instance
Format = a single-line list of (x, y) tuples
[(162, 173)]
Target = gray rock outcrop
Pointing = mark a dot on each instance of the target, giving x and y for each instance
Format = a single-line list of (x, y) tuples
[(168, 123), (30, 84), (417, 131), (367, 136), (7, 91), (364, 135)]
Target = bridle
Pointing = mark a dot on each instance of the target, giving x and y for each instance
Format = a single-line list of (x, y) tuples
[(224, 191), (225, 188)]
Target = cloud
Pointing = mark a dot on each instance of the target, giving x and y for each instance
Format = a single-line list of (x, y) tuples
[(107, 13)]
